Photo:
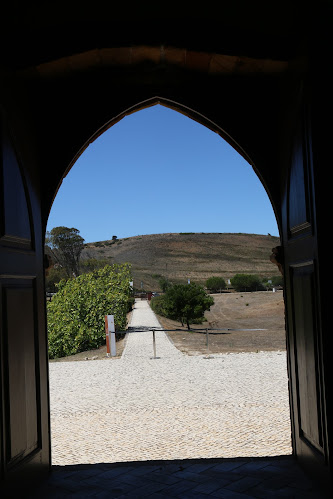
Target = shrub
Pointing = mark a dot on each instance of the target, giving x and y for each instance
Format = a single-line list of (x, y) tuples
[(158, 305), (215, 283), (76, 313), (130, 303), (277, 280), (246, 282)]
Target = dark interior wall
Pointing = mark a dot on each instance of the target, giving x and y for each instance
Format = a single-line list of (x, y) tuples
[(42, 33)]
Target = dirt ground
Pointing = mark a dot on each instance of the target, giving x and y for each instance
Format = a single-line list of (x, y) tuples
[(261, 311), (98, 354)]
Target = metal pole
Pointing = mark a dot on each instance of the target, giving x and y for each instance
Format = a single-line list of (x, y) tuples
[(207, 341), (154, 344), (208, 356)]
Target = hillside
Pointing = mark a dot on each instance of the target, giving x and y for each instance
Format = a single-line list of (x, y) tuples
[(188, 255)]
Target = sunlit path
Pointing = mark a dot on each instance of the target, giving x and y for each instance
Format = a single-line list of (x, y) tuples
[(174, 406)]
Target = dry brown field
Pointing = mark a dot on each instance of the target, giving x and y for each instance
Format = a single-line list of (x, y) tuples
[(250, 322)]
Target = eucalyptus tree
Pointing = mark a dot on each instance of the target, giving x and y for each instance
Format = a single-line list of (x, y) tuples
[(67, 245)]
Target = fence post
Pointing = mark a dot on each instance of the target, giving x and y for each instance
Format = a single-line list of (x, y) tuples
[(110, 336)]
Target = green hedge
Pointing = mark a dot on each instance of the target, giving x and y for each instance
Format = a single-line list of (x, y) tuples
[(247, 282), (76, 313), (158, 305)]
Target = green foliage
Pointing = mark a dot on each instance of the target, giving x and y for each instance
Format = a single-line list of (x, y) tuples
[(92, 264), (130, 303), (164, 283), (54, 275), (67, 245), (215, 283), (76, 313), (246, 282), (157, 304), (277, 280), (186, 303)]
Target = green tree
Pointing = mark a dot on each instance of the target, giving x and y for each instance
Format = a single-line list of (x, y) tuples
[(215, 283), (164, 283), (277, 280), (272, 282), (187, 303), (246, 282), (67, 245), (76, 313)]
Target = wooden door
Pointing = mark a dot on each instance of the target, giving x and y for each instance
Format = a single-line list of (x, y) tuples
[(305, 352), (24, 414)]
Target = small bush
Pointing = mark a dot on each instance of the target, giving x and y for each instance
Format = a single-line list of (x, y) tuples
[(246, 282), (158, 305), (215, 283)]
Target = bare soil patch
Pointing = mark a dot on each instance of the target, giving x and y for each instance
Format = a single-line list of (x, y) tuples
[(262, 311)]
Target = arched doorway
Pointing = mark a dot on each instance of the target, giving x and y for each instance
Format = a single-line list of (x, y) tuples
[(110, 418)]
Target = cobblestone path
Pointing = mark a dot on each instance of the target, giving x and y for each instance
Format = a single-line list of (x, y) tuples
[(140, 408)]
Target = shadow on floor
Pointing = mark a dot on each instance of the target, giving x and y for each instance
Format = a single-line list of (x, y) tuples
[(241, 478)]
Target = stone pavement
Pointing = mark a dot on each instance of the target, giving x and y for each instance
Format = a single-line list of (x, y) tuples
[(139, 408), (173, 426)]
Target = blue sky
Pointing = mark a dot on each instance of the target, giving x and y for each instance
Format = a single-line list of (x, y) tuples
[(157, 171)]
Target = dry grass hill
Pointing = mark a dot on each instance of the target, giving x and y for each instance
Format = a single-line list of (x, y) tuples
[(181, 256)]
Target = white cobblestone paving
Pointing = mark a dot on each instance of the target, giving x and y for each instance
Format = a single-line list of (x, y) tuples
[(139, 408)]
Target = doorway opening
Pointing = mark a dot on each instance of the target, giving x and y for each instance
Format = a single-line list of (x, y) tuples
[(162, 413)]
